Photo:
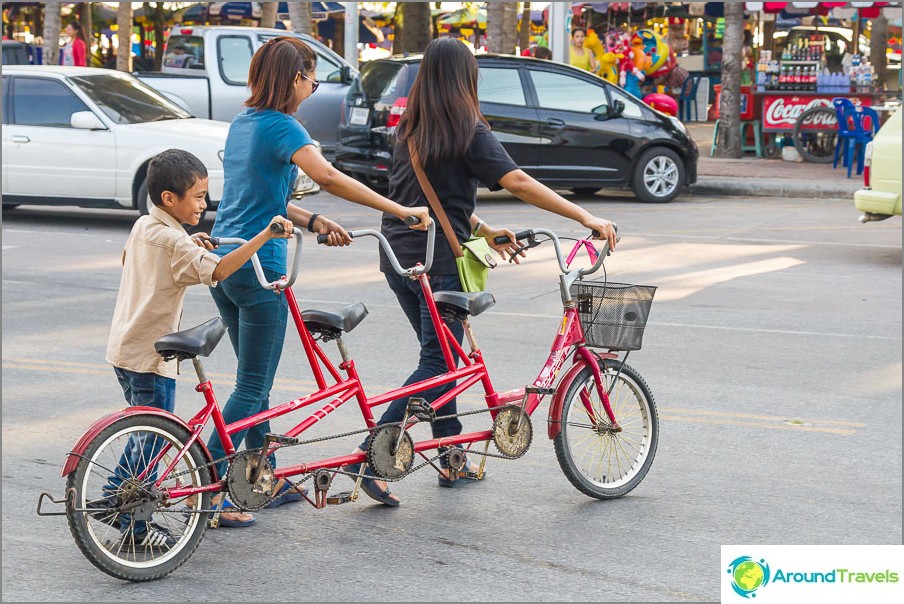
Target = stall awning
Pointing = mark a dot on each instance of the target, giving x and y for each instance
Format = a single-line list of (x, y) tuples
[(867, 10)]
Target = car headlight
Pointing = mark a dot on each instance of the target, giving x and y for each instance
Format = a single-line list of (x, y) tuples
[(221, 154), (678, 124)]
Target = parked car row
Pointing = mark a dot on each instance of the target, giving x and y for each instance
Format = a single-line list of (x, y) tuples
[(564, 126)]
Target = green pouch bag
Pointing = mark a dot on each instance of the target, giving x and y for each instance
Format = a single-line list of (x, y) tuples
[(474, 264)]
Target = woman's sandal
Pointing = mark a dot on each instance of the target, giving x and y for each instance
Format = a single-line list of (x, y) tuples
[(464, 477), (370, 487), (287, 494)]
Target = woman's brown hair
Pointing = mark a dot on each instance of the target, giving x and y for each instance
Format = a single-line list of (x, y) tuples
[(443, 111), (273, 70)]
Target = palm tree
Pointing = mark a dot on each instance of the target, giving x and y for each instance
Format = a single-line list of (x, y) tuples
[(268, 14), (124, 25), (524, 30), (729, 143), (502, 27), (413, 27), (52, 24), (300, 15)]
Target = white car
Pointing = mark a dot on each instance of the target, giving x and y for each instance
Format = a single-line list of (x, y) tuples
[(84, 136)]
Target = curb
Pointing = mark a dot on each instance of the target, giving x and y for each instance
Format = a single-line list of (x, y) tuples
[(759, 187)]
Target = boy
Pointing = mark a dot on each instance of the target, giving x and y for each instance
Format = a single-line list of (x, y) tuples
[(160, 261)]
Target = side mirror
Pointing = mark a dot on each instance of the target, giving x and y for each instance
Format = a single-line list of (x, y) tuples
[(346, 74), (618, 107), (86, 120)]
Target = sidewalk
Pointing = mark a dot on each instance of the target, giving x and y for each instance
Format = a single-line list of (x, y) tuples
[(751, 176)]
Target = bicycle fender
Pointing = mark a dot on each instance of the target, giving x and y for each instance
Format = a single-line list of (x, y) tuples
[(73, 457), (555, 408)]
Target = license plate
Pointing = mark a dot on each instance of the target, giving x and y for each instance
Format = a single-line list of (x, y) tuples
[(359, 116)]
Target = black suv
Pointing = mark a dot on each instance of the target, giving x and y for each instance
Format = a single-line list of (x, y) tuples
[(567, 128)]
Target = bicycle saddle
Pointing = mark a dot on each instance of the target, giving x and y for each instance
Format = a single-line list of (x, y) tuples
[(331, 324), (197, 341), (456, 306)]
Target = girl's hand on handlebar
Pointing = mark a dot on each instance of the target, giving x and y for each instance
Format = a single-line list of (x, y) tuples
[(423, 214), (336, 235), (603, 229), (203, 240), (511, 247), (287, 228)]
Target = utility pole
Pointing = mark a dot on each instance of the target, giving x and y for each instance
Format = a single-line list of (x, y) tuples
[(558, 37), (351, 33)]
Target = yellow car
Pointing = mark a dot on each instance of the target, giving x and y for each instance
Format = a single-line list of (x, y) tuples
[(881, 198)]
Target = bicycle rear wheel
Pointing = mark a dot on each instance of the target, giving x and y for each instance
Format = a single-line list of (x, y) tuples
[(600, 462), (816, 144), (152, 540)]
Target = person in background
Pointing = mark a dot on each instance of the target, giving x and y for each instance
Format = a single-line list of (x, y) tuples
[(674, 80), (578, 55), (76, 51), (542, 52)]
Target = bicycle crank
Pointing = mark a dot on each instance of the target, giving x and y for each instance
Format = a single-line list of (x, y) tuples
[(244, 493), (380, 457), (512, 432)]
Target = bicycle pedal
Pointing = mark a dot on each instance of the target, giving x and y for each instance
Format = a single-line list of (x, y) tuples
[(280, 439), (539, 390), (339, 498)]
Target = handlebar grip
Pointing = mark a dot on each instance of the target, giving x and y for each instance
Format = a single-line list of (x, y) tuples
[(214, 241), (518, 236), (321, 239), (412, 220), (277, 229)]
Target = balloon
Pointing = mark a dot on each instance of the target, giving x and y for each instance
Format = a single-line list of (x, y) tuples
[(654, 47), (662, 102)]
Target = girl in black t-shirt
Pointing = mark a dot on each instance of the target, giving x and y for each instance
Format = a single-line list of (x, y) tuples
[(458, 152)]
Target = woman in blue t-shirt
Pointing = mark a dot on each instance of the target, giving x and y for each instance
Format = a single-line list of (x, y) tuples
[(455, 161), (264, 149)]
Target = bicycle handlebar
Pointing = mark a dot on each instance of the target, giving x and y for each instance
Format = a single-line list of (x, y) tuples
[(529, 233), (279, 284), (393, 259)]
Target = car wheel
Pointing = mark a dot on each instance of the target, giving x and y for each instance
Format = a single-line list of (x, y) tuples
[(658, 175), (143, 200), (584, 190)]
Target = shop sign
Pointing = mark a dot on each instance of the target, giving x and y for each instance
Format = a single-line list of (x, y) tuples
[(781, 112)]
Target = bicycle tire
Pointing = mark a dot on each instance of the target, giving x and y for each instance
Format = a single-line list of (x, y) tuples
[(817, 146), (588, 469), (97, 534)]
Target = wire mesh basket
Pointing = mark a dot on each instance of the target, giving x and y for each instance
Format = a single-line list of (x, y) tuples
[(613, 314)]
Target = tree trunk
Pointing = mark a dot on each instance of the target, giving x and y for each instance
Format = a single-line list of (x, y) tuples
[(84, 17), (510, 27), (416, 26), (729, 143), (268, 14), (159, 35), (878, 42), (52, 24), (300, 15), (124, 33), (524, 30), (502, 27)]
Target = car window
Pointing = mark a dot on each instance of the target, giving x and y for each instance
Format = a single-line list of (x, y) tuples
[(125, 100), (42, 102), (327, 69), (632, 108), (235, 54), (184, 52), (381, 80), (5, 100), (561, 91), (500, 85)]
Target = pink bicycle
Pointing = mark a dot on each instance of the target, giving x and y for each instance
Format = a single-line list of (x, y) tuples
[(144, 465)]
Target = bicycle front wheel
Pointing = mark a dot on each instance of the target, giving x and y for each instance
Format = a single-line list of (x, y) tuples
[(597, 460), (815, 134), (118, 472)]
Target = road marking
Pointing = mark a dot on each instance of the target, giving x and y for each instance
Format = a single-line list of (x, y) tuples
[(698, 416)]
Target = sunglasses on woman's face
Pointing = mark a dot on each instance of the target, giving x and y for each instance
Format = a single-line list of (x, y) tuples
[(314, 83)]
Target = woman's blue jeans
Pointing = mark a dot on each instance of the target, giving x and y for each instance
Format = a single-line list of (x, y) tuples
[(431, 362), (256, 322)]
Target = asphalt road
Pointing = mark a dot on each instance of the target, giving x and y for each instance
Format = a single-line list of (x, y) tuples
[(773, 351)]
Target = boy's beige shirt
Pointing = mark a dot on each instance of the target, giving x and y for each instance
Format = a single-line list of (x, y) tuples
[(159, 261)]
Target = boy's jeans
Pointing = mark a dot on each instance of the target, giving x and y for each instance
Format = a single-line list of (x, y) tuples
[(149, 390)]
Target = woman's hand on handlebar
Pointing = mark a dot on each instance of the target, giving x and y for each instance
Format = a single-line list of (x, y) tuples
[(604, 230), (336, 235), (510, 247), (421, 213), (286, 230)]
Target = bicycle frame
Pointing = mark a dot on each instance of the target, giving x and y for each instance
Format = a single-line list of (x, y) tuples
[(568, 343)]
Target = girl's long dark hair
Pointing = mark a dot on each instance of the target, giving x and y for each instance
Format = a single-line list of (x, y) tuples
[(443, 111), (80, 32)]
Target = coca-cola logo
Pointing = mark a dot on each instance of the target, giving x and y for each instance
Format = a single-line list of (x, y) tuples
[(785, 112)]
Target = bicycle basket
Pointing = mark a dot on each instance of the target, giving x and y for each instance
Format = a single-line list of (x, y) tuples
[(613, 314)]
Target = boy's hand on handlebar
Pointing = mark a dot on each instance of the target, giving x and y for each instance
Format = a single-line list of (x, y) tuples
[(336, 235), (203, 240), (286, 232), (603, 230), (510, 247), (423, 214)]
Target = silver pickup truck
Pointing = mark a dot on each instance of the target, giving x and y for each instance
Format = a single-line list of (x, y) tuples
[(205, 71)]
